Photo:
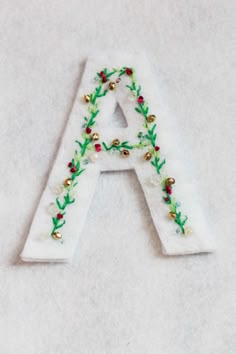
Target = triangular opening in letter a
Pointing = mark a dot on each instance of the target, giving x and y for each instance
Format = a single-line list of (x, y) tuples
[(118, 119)]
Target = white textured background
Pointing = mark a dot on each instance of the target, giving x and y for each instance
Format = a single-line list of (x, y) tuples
[(120, 296)]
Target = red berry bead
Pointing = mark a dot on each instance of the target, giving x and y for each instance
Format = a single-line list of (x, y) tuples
[(59, 216), (103, 76), (140, 99), (166, 199), (98, 147), (73, 169), (88, 130), (129, 71), (168, 189), (69, 164), (157, 148)]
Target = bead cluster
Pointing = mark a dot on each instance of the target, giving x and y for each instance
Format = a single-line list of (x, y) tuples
[(147, 140)]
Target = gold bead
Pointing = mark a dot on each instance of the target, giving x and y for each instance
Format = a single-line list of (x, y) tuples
[(148, 156), (125, 153), (68, 182), (57, 235), (87, 98), (116, 142), (170, 181), (151, 118), (172, 215), (95, 136), (112, 85)]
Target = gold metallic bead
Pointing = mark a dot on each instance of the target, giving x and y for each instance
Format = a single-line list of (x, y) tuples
[(148, 156), (172, 215), (95, 136), (125, 153), (170, 181), (116, 142), (57, 235), (68, 182), (112, 85), (87, 98), (151, 118)]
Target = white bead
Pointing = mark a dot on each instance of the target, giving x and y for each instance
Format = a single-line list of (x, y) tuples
[(131, 96), (52, 209), (155, 180), (113, 151), (93, 157), (59, 189), (188, 231)]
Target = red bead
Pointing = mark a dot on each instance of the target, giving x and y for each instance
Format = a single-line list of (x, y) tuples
[(88, 130), (129, 71), (157, 148), (73, 169), (69, 164), (166, 199), (98, 147), (103, 76), (140, 99), (59, 216), (168, 189)]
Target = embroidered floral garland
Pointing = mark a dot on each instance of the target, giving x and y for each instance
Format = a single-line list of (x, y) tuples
[(147, 140)]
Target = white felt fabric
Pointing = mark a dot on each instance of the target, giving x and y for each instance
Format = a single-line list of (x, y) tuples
[(120, 295), (40, 246)]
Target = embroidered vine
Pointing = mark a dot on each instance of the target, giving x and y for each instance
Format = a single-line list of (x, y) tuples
[(147, 140)]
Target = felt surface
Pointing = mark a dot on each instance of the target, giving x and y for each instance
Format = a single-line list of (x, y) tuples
[(120, 295)]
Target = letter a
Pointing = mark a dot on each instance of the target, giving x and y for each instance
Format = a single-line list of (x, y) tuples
[(149, 145)]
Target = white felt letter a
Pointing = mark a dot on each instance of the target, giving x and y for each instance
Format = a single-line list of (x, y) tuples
[(148, 145)]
